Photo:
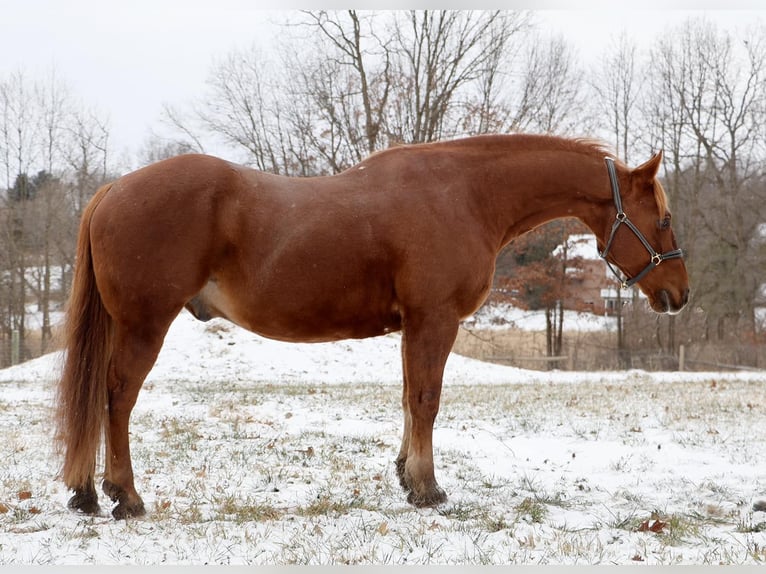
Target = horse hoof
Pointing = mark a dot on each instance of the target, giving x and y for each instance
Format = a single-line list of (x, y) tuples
[(124, 510), (127, 506), (86, 503), (433, 497)]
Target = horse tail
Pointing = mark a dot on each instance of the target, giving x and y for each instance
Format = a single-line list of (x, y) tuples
[(82, 397)]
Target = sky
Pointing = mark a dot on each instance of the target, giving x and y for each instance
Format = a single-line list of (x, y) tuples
[(128, 59)]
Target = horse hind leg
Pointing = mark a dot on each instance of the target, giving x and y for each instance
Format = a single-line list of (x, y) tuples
[(135, 351)]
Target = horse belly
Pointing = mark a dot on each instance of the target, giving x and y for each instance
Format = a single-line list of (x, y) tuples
[(300, 314)]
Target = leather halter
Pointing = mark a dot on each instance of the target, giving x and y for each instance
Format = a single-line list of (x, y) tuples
[(622, 219)]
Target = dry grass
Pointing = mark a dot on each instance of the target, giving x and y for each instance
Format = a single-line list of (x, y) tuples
[(526, 349)]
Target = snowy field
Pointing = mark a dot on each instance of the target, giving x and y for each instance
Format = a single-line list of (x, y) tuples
[(249, 451), (502, 316)]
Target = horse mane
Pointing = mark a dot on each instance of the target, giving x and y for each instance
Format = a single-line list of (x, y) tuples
[(584, 145), (485, 142), (589, 146)]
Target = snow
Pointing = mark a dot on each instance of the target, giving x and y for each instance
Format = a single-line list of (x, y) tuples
[(219, 351), (252, 451), (500, 316), (579, 245)]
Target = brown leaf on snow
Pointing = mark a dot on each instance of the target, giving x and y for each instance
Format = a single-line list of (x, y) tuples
[(637, 558), (658, 526), (655, 526), (25, 495)]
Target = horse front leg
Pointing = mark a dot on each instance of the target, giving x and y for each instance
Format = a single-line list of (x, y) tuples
[(404, 450), (427, 343)]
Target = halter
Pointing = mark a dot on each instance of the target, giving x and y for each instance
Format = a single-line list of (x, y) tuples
[(654, 258)]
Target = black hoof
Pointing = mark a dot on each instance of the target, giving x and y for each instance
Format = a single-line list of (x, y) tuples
[(433, 497), (85, 501), (124, 510), (127, 506), (112, 490)]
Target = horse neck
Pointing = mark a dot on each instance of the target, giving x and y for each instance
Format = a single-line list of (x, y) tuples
[(532, 189)]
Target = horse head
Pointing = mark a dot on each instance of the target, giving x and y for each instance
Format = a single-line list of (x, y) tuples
[(639, 239)]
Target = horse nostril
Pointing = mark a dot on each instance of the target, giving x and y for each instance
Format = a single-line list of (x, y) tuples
[(664, 297), (685, 297)]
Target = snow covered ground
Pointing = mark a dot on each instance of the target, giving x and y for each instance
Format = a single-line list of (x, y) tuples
[(250, 451), (501, 316)]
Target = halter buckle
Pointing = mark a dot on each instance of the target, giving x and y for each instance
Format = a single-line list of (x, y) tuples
[(622, 216), (657, 259)]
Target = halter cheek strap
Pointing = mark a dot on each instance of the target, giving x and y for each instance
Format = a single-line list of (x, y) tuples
[(622, 219)]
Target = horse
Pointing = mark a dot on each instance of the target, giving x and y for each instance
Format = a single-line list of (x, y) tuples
[(406, 241)]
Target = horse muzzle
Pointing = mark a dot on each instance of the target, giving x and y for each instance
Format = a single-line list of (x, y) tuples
[(664, 301)]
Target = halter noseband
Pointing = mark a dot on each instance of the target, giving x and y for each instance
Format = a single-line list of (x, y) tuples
[(622, 219)]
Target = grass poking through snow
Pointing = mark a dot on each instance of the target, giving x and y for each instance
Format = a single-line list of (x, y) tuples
[(619, 472)]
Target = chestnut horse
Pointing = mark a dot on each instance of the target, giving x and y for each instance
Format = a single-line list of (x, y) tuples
[(406, 240)]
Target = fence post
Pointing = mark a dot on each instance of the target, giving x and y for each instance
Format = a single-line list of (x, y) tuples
[(681, 358), (15, 343)]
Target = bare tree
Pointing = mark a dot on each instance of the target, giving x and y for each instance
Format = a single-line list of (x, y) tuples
[(352, 44), (239, 109), (42, 135), (550, 96), (157, 148), (711, 89), (369, 80), (51, 215), (249, 107), (445, 59), (616, 84), (19, 130), (18, 126), (85, 152)]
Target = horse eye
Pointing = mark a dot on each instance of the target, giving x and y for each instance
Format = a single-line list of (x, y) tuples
[(664, 223)]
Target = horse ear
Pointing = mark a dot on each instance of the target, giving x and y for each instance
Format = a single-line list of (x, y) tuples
[(649, 169)]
